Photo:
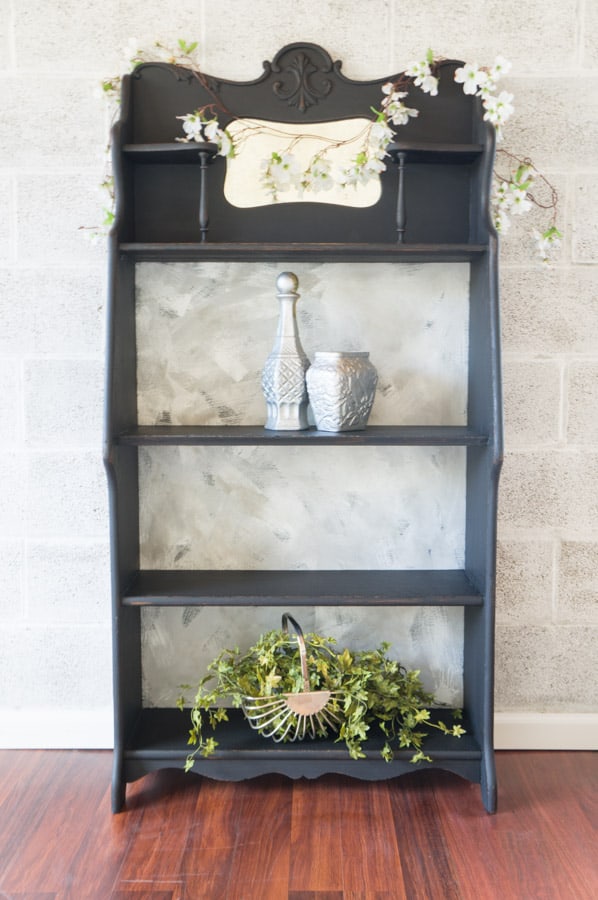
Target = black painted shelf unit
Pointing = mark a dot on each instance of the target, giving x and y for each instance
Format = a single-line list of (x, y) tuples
[(443, 213)]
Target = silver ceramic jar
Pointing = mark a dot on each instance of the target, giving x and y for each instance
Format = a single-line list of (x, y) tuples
[(341, 388)]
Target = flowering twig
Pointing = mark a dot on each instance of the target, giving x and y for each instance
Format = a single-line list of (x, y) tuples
[(512, 194)]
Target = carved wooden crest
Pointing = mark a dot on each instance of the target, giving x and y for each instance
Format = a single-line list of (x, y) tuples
[(305, 71)]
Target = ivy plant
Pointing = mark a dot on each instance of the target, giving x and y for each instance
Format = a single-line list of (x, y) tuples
[(368, 688)]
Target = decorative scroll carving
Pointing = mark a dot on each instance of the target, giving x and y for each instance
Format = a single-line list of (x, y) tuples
[(304, 67)]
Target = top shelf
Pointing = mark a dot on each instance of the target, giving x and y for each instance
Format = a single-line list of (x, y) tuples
[(420, 152), (435, 153)]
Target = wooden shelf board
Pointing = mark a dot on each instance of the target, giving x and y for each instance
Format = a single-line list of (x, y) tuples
[(349, 587), (162, 734), (172, 152), (400, 435), (331, 252), (416, 152), (432, 152)]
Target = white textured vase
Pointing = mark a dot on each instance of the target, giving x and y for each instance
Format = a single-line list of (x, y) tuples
[(341, 388), (283, 376)]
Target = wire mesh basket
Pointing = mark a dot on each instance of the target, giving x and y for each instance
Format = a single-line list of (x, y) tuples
[(297, 715)]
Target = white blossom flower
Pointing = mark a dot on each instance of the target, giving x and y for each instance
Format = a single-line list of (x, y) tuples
[(380, 133), (374, 166), (422, 77), (318, 177), (502, 196), (519, 200), (388, 88), (429, 85), (225, 144), (392, 96), (349, 175), (524, 176), (418, 70), (471, 77), (499, 109), (280, 173), (193, 127), (198, 128), (547, 242), (502, 223), (486, 89), (501, 67), (339, 175), (287, 171), (219, 136), (399, 114), (395, 110)]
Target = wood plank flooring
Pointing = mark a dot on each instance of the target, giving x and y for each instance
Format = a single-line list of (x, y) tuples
[(424, 836)]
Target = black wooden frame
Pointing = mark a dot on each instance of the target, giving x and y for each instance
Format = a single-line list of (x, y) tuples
[(446, 156)]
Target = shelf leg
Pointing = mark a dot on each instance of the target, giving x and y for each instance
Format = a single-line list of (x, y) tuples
[(119, 787), (488, 783)]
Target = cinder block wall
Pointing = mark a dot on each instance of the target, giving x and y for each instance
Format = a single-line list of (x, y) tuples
[(54, 583)]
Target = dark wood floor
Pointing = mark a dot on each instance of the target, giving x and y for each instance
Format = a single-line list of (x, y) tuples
[(424, 836)]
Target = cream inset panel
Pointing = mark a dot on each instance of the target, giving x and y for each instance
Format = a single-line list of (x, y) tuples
[(257, 139)]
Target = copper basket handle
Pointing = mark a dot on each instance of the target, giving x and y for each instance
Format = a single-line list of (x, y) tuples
[(286, 620)]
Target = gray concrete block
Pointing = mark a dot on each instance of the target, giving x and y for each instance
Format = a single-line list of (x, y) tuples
[(68, 583), (71, 130), (67, 36), (52, 311), (55, 666), (532, 402), (11, 401), (549, 311), (524, 582), (67, 496), (52, 208), (12, 593), (557, 489), (359, 36), (585, 217), (7, 219), (63, 402), (554, 122), (582, 403), (578, 583), (478, 32), (546, 669), (13, 493)]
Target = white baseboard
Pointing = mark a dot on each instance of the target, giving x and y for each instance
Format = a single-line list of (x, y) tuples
[(56, 729), (545, 731)]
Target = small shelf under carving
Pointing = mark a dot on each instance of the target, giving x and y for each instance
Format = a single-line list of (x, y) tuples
[(172, 152), (435, 153), (416, 152)]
